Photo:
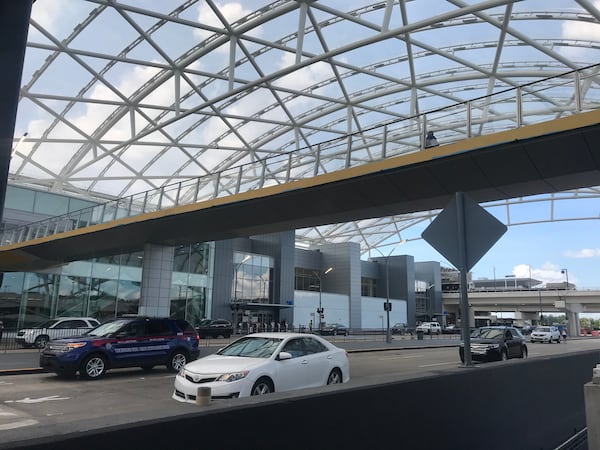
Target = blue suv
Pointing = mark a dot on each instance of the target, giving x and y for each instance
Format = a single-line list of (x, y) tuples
[(126, 342)]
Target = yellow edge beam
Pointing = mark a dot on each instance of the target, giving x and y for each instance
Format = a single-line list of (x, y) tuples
[(550, 127)]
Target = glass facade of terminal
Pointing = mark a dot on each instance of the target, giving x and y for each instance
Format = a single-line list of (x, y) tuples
[(103, 288)]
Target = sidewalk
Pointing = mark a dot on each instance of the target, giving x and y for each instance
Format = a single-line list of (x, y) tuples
[(26, 361)]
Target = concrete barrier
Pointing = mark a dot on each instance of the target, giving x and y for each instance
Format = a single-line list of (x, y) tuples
[(518, 404)]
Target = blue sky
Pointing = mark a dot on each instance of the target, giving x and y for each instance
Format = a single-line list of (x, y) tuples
[(545, 248)]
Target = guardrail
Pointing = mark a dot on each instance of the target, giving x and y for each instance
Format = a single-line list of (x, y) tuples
[(566, 94)]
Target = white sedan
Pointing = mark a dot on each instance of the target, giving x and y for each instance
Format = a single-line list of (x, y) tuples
[(262, 363)]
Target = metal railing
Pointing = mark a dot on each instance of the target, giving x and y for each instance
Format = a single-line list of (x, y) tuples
[(559, 96)]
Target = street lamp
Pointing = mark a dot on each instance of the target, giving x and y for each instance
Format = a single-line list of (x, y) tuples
[(566, 273), (235, 270), (430, 309), (320, 277), (388, 306)]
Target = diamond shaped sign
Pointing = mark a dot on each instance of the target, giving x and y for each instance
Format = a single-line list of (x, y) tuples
[(481, 231)]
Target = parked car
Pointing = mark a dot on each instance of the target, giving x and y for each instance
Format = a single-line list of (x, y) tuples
[(262, 363), (430, 328), (127, 342), (61, 327), (527, 329), (452, 329), (334, 329), (401, 328), (545, 334), (214, 328), (495, 344)]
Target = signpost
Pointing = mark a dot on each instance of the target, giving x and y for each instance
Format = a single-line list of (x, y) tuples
[(463, 232)]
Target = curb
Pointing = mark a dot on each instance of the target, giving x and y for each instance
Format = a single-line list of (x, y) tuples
[(22, 371)]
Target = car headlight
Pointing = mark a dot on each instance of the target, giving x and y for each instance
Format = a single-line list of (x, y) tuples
[(493, 346), (233, 376)]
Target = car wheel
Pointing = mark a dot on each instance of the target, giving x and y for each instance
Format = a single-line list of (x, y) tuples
[(93, 367), (523, 352), (503, 355), (177, 360), (262, 386), (41, 341), (335, 377)]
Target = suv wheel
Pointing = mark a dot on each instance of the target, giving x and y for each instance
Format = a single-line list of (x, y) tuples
[(41, 341), (93, 367), (177, 360)]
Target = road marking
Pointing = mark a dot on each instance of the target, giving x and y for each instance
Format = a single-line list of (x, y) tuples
[(38, 400), (401, 357), (440, 364), (19, 424)]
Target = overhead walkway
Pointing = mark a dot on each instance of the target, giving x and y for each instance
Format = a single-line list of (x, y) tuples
[(492, 148)]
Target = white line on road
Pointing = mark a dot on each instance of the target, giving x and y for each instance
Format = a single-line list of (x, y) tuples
[(401, 357), (440, 364), (19, 424), (37, 400)]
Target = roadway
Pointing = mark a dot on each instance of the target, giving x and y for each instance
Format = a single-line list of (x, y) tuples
[(38, 405)]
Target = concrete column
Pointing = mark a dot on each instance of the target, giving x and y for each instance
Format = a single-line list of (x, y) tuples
[(157, 273), (591, 393)]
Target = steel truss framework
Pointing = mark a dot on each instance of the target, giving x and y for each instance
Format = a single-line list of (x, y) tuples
[(121, 97)]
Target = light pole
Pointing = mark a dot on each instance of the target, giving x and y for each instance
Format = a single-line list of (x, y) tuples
[(320, 277), (388, 306), (541, 315), (430, 309), (566, 273), (235, 303)]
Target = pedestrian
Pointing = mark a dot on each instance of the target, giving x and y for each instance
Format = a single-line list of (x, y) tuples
[(564, 334), (430, 140)]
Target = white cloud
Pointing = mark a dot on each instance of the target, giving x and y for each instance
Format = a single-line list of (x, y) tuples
[(47, 14), (548, 273), (583, 253), (231, 11)]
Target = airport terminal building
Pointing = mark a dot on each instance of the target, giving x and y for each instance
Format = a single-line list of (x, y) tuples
[(256, 280)]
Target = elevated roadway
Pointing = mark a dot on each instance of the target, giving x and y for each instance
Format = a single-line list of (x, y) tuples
[(552, 156)]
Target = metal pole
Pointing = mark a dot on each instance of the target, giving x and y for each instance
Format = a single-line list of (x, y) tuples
[(541, 315), (320, 294), (388, 334), (464, 300)]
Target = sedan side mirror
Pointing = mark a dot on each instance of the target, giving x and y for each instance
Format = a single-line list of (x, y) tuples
[(284, 355)]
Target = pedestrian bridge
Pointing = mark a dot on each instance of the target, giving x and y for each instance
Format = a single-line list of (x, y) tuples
[(493, 148)]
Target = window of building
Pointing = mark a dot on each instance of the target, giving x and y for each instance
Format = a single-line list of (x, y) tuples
[(252, 278), (306, 280), (368, 287)]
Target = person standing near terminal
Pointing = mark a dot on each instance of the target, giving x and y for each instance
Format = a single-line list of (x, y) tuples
[(564, 334)]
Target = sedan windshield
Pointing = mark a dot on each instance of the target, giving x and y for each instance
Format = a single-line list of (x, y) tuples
[(491, 333), (543, 329), (107, 329), (251, 347)]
